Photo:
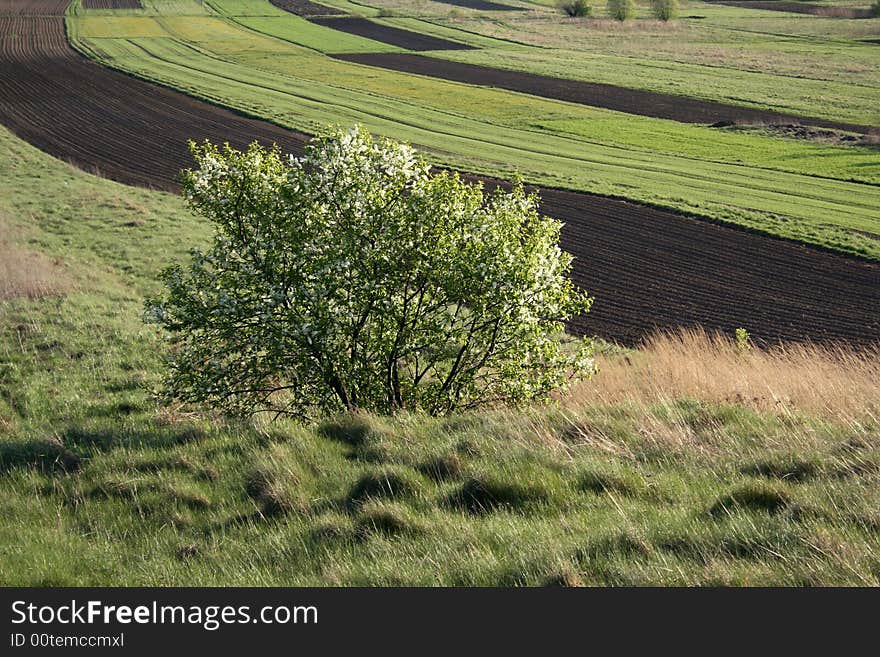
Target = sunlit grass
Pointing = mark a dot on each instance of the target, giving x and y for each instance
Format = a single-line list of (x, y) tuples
[(655, 473)]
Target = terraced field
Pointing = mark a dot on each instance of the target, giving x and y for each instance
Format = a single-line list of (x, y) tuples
[(797, 64), (648, 268), (621, 99), (820, 192)]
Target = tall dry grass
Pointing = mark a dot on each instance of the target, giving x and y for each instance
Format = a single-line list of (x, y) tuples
[(837, 382), (28, 274)]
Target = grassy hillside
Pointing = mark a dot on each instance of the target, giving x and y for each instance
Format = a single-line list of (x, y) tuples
[(686, 463), (822, 193)]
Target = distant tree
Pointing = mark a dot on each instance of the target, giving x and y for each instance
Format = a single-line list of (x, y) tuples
[(667, 10), (875, 9), (621, 10), (575, 8), (354, 278)]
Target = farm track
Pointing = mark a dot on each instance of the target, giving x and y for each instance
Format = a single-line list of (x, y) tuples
[(797, 8), (647, 268), (594, 94), (391, 35)]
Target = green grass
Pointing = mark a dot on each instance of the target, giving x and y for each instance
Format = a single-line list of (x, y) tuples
[(102, 485), (802, 190), (793, 63), (301, 32)]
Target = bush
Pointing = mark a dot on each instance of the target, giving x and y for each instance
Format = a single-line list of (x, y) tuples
[(354, 278), (875, 9), (666, 10), (621, 10), (576, 8)]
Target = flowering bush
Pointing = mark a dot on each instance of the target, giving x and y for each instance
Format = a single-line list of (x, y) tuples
[(354, 278)]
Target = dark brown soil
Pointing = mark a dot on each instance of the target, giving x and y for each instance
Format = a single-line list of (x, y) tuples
[(102, 120), (797, 8), (482, 5), (391, 35), (647, 268), (33, 7), (631, 101), (794, 131), (112, 4), (306, 8), (653, 269)]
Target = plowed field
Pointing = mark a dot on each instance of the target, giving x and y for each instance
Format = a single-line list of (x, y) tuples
[(390, 35), (647, 268), (621, 99)]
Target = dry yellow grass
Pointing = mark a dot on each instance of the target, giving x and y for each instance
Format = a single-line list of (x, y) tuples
[(834, 382), (28, 274)]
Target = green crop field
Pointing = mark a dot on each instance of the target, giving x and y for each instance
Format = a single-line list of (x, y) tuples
[(100, 483), (823, 67), (272, 65)]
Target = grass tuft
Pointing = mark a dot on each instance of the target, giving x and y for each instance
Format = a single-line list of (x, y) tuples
[(480, 495), (333, 527), (353, 430), (443, 468), (566, 578), (754, 496), (387, 519), (389, 483), (262, 487)]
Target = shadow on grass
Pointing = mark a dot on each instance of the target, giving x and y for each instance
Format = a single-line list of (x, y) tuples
[(481, 495), (385, 483), (107, 438), (351, 430), (47, 456)]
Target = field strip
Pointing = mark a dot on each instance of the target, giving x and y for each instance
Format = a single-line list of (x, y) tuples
[(809, 8), (620, 99), (481, 5), (301, 104), (112, 4), (386, 34), (33, 7), (648, 268), (306, 8)]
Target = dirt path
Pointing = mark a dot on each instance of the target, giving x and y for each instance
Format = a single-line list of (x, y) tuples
[(647, 268), (594, 94)]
